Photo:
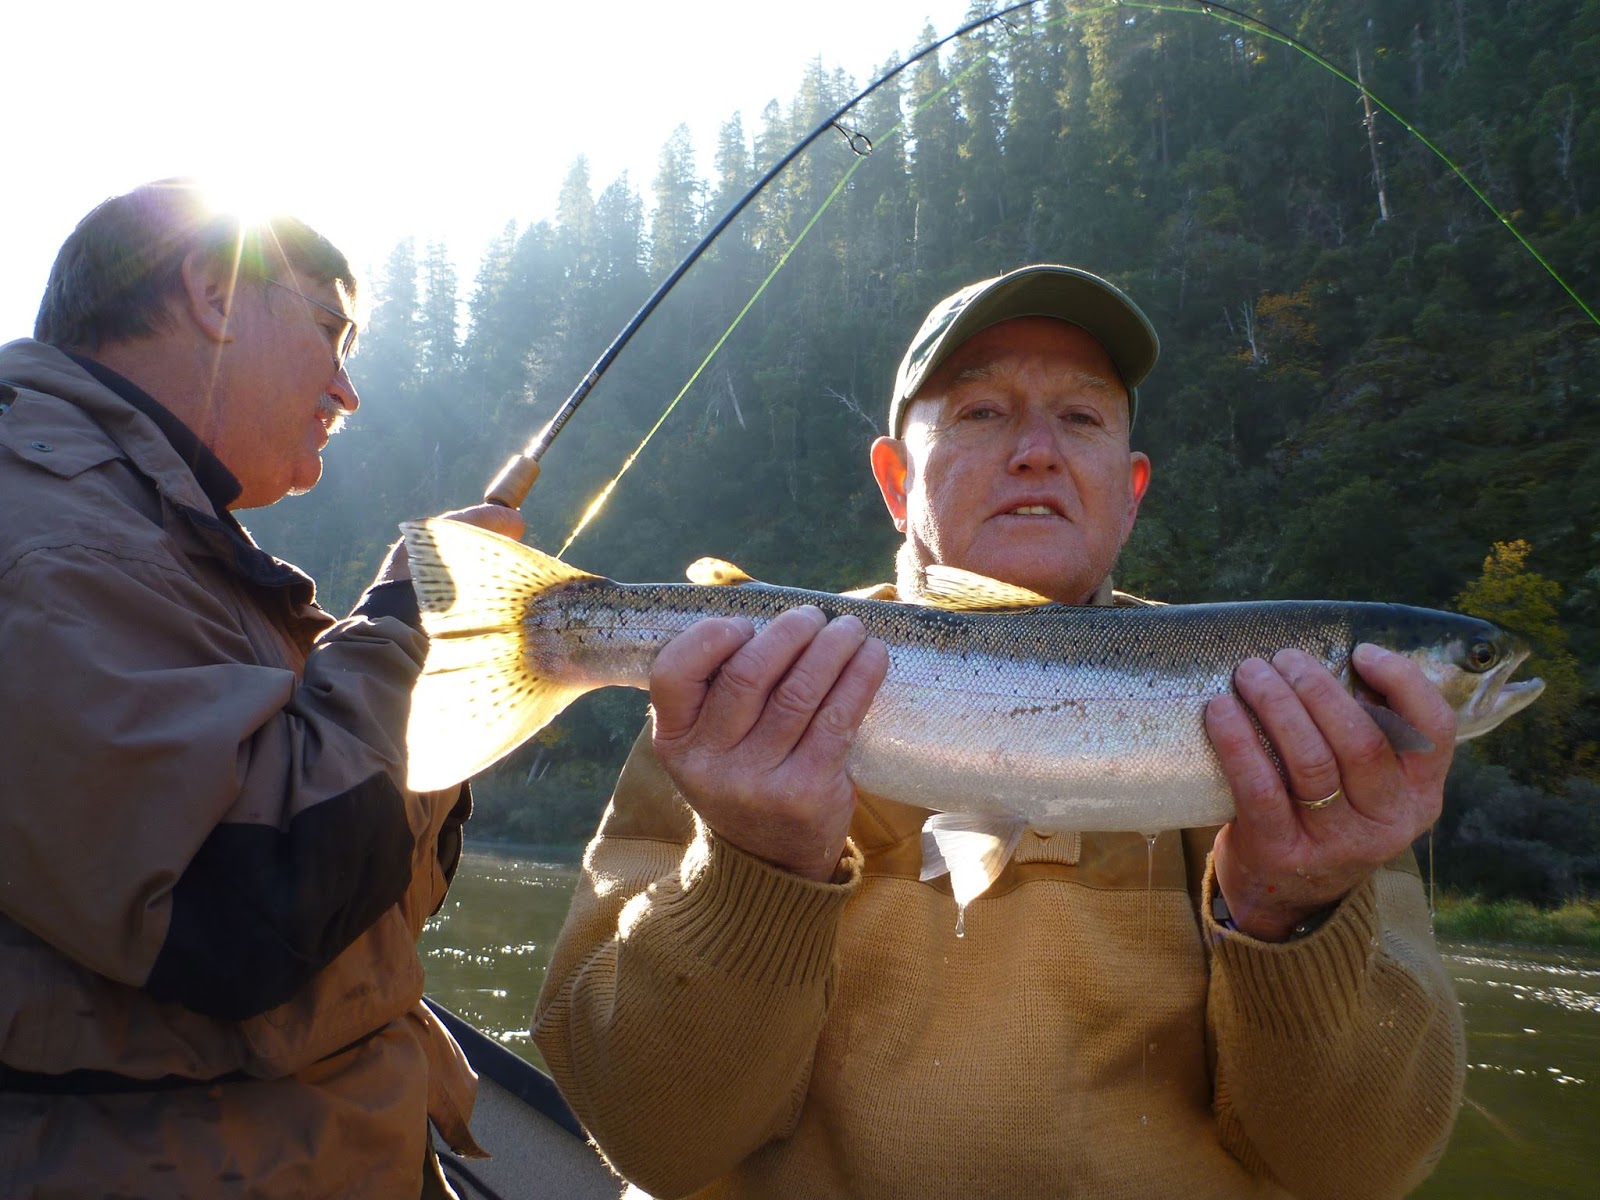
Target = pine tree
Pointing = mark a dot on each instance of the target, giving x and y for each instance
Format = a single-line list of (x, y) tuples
[(675, 217), (390, 356), (575, 224), (439, 336), (981, 180), (936, 135)]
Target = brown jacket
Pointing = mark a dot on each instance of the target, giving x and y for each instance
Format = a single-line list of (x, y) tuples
[(726, 1029), (209, 868)]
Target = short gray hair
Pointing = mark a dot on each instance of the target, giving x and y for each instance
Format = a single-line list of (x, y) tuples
[(116, 272)]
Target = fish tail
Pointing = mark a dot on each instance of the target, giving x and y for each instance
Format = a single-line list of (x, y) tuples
[(478, 697)]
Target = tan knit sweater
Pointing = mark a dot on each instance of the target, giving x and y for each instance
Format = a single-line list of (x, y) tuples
[(726, 1029)]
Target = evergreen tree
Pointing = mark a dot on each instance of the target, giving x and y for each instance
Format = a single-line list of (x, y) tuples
[(438, 331), (735, 170), (675, 219), (390, 347), (936, 136), (575, 224), (976, 65), (619, 228)]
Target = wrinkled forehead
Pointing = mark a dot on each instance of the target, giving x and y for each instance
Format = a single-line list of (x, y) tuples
[(1046, 359)]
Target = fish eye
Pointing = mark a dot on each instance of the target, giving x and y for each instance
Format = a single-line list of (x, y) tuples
[(1481, 655)]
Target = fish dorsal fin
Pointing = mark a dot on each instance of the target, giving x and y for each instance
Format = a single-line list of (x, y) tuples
[(877, 591), (477, 698), (964, 591), (716, 572), (973, 850)]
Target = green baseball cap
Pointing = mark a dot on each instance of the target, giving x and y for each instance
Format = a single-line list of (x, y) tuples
[(1040, 290)]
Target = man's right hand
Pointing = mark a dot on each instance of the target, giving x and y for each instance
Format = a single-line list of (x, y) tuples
[(755, 730)]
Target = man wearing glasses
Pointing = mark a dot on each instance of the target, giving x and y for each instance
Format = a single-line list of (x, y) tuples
[(212, 877)]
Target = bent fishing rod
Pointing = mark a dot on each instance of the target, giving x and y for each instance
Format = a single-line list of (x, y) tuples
[(510, 487)]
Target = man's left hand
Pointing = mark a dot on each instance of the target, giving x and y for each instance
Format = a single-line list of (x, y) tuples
[(496, 518), (1280, 861)]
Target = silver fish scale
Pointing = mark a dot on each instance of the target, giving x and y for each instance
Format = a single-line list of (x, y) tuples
[(1070, 718), (1078, 718)]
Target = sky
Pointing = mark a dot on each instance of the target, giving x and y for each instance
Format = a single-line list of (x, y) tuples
[(380, 119)]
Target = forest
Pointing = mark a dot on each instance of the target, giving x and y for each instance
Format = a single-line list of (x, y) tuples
[(1368, 232)]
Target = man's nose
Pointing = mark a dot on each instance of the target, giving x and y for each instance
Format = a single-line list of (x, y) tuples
[(344, 391), (1037, 447)]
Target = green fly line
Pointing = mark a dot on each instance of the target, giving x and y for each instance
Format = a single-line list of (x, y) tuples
[(1227, 16), (1250, 25)]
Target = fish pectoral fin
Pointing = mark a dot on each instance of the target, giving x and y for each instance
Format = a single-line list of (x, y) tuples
[(716, 572), (1402, 734), (477, 698), (972, 850), (955, 590)]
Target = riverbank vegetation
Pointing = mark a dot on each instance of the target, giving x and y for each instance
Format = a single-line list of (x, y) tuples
[(1368, 388), (1574, 923)]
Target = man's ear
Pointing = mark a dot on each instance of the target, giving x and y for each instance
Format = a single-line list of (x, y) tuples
[(891, 468), (1138, 483), (208, 288)]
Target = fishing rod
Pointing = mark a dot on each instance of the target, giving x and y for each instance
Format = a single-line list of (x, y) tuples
[(510, 487)]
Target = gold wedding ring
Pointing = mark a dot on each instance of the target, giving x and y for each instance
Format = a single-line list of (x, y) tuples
[(1314, 805)]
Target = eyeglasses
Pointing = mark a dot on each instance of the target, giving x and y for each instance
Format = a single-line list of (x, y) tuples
[(345, 340)]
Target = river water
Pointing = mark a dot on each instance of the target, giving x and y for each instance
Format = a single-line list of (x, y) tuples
[(1530, 1127)]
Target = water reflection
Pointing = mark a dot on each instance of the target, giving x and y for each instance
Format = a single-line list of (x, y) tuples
[(486, 950), (1533, 1051), (1527, 1129)]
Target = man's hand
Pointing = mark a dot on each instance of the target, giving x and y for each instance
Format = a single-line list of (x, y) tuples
[(755, 730), (496, 518), (1279, 861)]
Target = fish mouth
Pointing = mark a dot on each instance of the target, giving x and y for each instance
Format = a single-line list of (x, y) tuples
[(1497, 697)]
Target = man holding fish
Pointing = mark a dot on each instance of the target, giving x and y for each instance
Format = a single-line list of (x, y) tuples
[(760, 990), (213, 875)]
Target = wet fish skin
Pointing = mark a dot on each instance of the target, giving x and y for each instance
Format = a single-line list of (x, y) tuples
[(1054, 717)]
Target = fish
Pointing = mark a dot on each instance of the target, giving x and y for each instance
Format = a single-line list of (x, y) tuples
[(1001, 711)]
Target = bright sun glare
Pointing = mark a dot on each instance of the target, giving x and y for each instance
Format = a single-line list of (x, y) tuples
[(365, 155), (252, 199)]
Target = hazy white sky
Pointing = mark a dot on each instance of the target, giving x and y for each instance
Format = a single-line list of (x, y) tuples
[(375, 119)]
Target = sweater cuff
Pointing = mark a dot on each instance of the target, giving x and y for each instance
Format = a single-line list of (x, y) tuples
[(393, 598), (749, 919), (1303, 989)]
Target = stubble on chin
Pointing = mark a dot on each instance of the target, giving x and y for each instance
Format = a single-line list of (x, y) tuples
[(908, 566)]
